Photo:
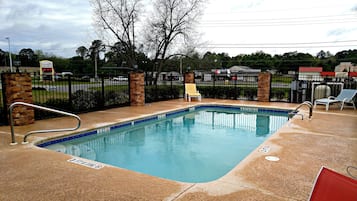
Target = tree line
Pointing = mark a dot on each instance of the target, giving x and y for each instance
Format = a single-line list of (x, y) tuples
[(84, 60)]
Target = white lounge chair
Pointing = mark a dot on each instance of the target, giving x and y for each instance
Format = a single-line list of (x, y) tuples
[(345, 96)]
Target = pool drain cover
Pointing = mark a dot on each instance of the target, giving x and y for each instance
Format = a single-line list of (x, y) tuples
[(272, 158)]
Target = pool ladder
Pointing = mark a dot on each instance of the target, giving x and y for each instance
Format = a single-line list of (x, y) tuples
[(13, 141), (296, 111)]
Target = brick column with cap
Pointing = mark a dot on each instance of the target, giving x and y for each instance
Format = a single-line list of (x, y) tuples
[(137, 89), (189, 77), (264, 82), (18, 88)]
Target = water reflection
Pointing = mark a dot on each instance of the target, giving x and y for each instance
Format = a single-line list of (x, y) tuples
[(262, 125)]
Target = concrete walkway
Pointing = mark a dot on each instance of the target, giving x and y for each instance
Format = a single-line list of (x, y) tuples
[(303, 146)]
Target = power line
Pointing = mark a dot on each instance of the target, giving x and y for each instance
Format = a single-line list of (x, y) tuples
[(273, 47), (282, 23), (304, 43), (281, 9), (251, 22), (320, 44), (328, 17)]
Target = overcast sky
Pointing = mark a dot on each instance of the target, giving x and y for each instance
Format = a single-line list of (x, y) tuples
[(231, 26)]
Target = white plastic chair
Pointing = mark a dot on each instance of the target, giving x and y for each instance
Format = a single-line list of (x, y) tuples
[(345, 96)]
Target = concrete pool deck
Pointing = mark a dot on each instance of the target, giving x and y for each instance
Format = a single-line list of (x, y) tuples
[(329, 139)]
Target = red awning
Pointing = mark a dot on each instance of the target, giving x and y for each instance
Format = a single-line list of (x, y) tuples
[(332, 74), (310, 69), (352, 74)]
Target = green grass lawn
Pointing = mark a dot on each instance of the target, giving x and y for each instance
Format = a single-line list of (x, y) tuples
[(42, 96), (60, 82), (111, 87), (281, 79)]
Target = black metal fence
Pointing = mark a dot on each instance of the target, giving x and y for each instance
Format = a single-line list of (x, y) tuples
[(82, 94), (236, 87), (284, 88), (281, 88), (2, 104), (244, 87)]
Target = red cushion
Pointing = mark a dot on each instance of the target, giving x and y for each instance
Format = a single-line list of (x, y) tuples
[(331, 186)]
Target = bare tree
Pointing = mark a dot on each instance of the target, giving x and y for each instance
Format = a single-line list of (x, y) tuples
[(171, 24), (119, 17)]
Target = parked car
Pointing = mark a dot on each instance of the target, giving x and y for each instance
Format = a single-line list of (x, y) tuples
[(85, 78), (120, 78), (57, 77)]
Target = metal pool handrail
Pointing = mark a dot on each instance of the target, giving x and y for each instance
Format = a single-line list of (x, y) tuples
[(295, 112), (13, 141)]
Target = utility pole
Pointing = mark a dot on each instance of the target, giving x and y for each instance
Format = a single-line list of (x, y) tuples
[(181, 65), (8, 40), (96, 65)]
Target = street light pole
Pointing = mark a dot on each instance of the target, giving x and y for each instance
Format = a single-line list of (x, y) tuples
[(96, 65), (8, 40)]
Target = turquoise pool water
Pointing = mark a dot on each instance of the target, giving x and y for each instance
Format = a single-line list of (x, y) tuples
[(200, 145)]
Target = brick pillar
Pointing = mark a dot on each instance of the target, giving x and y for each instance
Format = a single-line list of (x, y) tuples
[(189, 77), (264, 82), (18, 88), (137, 89)]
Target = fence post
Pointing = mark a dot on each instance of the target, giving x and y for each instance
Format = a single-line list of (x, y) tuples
[(103, 92), (69, 90), (156, 93), (236, 93), (214, 84), (129, 87), (172, 95)]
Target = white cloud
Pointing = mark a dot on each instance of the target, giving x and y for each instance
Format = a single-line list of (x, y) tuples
[(52, 26), (60, 27)]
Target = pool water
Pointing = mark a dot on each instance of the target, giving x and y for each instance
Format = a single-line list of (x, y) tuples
[(197, 146)]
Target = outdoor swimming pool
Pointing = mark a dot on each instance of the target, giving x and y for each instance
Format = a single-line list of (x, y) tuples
[(198, 144)]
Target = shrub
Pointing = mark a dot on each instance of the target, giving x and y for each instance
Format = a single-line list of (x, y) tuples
[(58, 103), (115, 98), (221, 92), (84, 100), (250, 93), (159, 93), (55, 103), (280, 94)]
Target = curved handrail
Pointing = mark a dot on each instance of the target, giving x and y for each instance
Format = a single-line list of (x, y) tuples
[(309, 104), (13, 141)]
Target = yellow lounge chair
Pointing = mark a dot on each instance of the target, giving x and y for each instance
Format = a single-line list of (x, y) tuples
[(191, 92)]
